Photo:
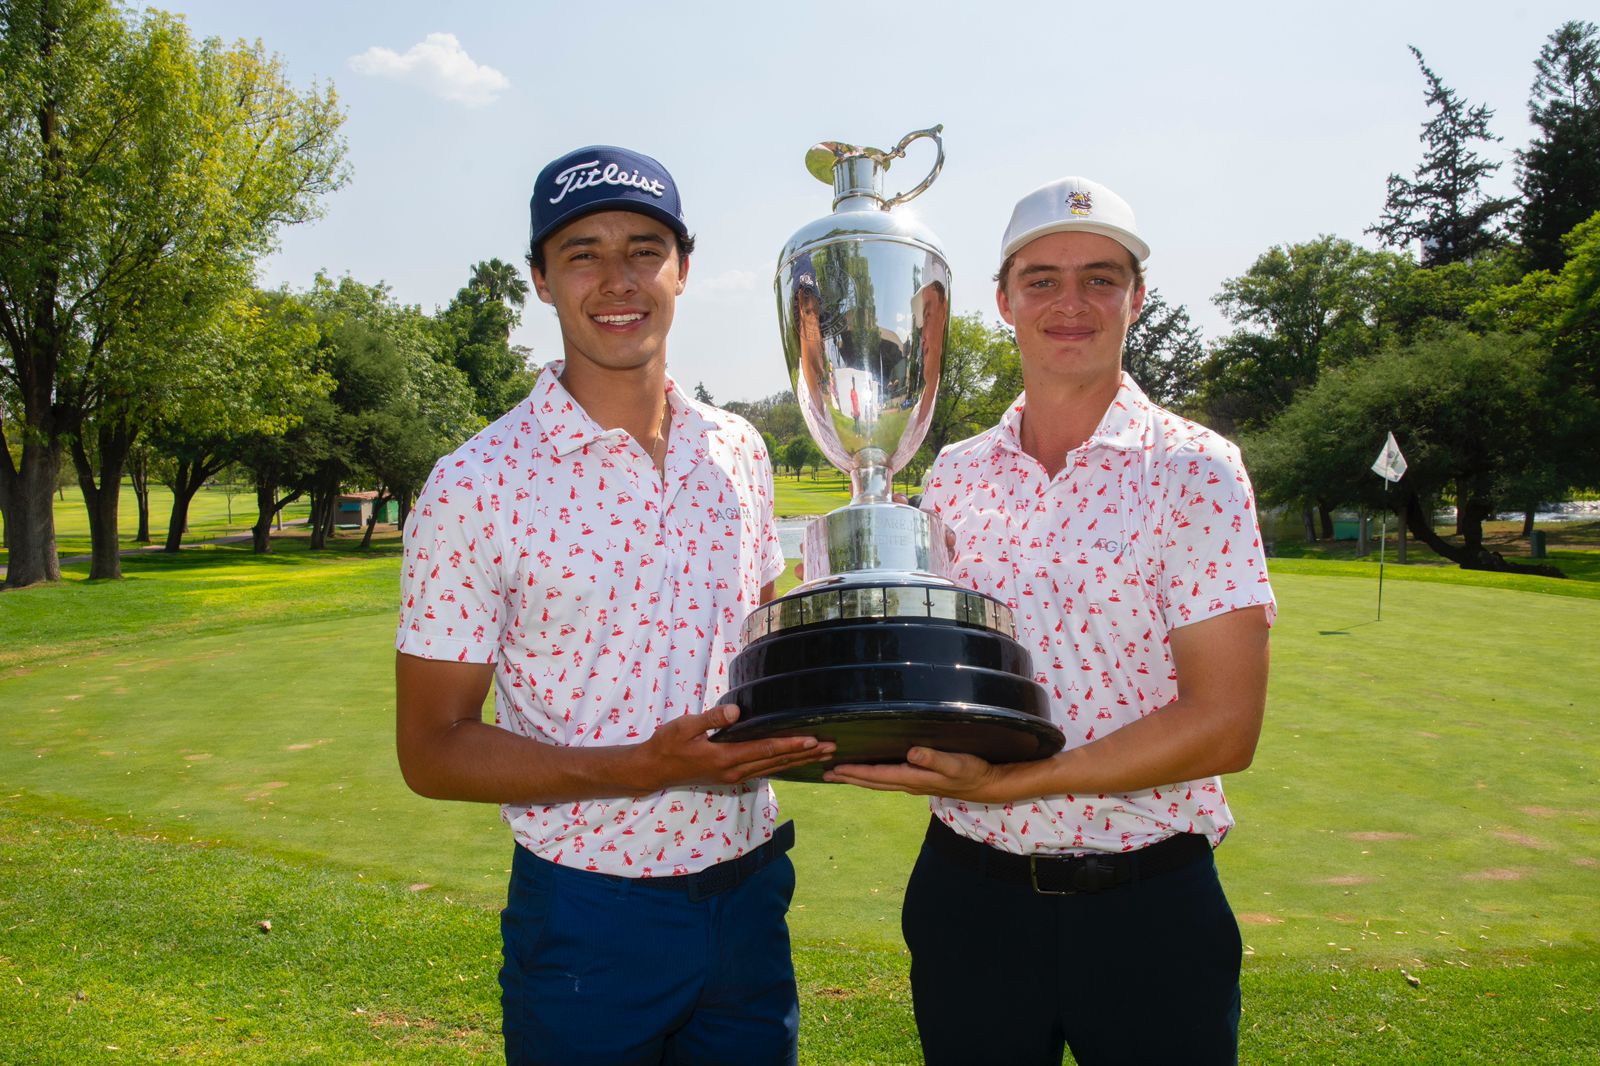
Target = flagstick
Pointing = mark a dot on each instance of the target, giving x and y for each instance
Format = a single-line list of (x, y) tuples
[(1383, 539)]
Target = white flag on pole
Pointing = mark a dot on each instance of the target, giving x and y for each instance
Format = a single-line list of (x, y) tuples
[(1391, 465)]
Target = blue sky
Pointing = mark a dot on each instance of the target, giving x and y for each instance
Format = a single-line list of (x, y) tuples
[(1228, 127)]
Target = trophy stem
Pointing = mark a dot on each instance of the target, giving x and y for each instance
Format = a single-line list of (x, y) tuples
[(871, 480)]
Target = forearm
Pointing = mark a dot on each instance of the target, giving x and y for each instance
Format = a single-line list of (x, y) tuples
[(447, 751), (472, 760), (1175, 743)]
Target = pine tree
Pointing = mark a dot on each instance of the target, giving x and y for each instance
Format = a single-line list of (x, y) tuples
[(1444, 207), (1559, 172), (1163, 351)]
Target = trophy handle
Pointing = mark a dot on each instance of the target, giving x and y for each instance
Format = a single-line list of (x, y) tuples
[(938, 164)]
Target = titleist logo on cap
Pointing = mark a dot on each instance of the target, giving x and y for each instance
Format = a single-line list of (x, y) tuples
[(583, 175)]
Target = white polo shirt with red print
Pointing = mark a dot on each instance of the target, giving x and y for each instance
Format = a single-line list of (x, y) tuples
[(1151, 525), (609, 600)]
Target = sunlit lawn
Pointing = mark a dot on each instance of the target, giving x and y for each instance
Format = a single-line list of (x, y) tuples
[(215, 511), (207, 745)]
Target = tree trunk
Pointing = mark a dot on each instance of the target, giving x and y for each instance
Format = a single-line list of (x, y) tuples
[(47, 412), (266, 510), (1527, 521), (1418, 523), (261, 532), (189, 480), (113, 439), (139, 474), (1470, 555), (29, 492), (405, 508), (372, 519), (324, 506), (1308, 521), (1325, 516)]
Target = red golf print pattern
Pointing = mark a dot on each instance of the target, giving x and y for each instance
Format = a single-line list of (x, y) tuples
[(609, 600), (1151, 525)]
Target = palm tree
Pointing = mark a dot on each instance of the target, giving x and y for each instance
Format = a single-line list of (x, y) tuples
[(500, 280)]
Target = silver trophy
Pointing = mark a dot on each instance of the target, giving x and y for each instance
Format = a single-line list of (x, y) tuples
[(878, 650)]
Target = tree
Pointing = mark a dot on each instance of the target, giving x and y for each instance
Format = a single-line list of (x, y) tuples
[(427, 416), (257, 377), (800, 453), (1302, 308), (476, 336), (1444, 207), (501, 281), (980, 375), (975, 354), (1563, 310), (1467, 410), (702, 394), (1559, 172), (140, 174), (1163, 352), (777, 415), (395, 407)]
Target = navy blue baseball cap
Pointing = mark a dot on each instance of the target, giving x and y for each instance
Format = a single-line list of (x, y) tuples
[(602, 178), (805, 276)]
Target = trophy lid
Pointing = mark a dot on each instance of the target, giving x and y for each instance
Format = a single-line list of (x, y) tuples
[(855, 171)]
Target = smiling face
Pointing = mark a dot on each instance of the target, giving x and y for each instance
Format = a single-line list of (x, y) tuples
[(1071, 297), (614, 278)]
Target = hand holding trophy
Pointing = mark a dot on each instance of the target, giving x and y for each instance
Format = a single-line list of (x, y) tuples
[(878, 650)]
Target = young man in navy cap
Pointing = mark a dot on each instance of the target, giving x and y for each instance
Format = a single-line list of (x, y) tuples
[(592, 555), (1073, 901)]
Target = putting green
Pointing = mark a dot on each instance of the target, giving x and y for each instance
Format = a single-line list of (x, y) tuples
[(1424, 784)]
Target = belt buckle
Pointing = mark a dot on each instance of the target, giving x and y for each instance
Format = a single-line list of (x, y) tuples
[(1033, 879), (1088, 874)]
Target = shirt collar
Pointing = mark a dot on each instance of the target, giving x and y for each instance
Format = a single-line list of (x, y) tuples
[(1124, 426), (569, 428)]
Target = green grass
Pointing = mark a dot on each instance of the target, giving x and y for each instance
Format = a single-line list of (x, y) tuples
[(215, 511), (214, 588), (806, 495), (830, 489), (209, 744)]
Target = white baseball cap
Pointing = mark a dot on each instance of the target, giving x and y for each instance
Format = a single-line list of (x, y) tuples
[(1073, 204)]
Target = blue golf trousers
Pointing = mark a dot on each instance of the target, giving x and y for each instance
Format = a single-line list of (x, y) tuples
[(614, 971)]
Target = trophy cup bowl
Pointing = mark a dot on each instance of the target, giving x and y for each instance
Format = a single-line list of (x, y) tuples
[(878, 651)]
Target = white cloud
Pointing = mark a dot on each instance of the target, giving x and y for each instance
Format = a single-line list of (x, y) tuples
[(438, 64)]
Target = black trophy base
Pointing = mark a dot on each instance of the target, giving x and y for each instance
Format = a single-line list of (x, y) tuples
[(877, 686), (883, 733)]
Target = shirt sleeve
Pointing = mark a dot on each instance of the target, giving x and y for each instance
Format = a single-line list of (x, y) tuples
[(1211, 556), (451, 588)]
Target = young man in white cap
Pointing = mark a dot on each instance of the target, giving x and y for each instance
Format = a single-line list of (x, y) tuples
[(593, 554), (1073, 901)]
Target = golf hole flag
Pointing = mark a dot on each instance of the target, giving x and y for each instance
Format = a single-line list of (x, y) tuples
[(1391, 465)]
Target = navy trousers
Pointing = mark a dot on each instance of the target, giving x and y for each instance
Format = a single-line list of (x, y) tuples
[(1145, 972), (614, 972)]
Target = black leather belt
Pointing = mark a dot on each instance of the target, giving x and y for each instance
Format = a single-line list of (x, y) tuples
[(1067, 875), (703, 884)]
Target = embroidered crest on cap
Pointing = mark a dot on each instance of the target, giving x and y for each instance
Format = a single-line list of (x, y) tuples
[(1080, 203)]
